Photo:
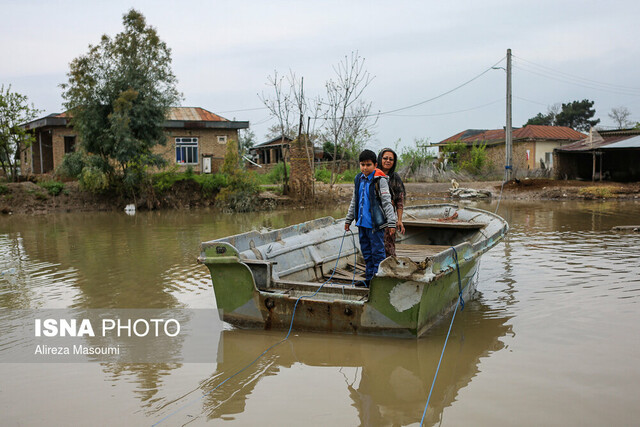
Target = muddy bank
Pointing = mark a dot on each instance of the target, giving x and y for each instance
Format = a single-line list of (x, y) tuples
[(29, 198)]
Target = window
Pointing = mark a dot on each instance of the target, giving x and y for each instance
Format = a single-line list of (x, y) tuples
[(187, 151), (69, 144), (222, 139)]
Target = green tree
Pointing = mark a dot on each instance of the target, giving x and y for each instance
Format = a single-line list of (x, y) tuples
[(542, 119), (14, 139), (119, 94), (577, 115)]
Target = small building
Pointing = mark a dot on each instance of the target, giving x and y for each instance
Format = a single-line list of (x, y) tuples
[(611, 155), (533, 145), (195, 137), (268, 154), (271, 152)]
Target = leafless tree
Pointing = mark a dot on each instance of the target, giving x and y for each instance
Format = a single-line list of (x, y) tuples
[(347, 116), (621, 115)]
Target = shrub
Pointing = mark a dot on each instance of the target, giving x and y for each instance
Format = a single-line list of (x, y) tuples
[(276, 175), (53, 187), (3, 189), (93, 179), (323, 175), (348, 176), (210, 183), (72, 164)]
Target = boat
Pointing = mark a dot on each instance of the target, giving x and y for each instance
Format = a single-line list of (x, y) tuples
[(261, 278)]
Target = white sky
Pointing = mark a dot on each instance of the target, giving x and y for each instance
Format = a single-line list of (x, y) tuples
[(223, 52)]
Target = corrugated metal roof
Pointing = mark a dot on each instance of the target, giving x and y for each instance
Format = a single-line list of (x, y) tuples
[(600, 143), (529, 132), (633, 142), (194, 114)]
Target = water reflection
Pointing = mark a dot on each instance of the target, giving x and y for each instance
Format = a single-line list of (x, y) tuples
[(387, 380)]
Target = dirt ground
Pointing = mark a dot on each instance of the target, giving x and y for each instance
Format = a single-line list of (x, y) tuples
[(29, 198)]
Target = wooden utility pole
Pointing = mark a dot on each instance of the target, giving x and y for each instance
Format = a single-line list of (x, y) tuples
[(508, 131)]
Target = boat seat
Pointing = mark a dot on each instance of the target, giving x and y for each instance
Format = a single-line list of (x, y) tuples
[(432, 223), (311, 287), (418, 253)]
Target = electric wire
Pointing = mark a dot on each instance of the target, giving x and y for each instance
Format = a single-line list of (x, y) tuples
[(550, 70), (449, 112), (440, 95)]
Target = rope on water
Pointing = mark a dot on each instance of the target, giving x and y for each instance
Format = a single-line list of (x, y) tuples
[(460, 303), (274, 345)]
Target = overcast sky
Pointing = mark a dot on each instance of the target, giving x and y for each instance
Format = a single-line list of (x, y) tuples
[(223, 52)]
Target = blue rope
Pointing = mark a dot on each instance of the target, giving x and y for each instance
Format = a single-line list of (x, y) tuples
[(455, 310), (455, 257), (267, 350)]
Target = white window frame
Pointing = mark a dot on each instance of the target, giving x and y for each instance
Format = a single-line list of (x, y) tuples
[(187, 150), (222, 139)]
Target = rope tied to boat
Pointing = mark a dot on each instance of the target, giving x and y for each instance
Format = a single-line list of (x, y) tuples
[(460, 303), (269, 348), (455, 257)]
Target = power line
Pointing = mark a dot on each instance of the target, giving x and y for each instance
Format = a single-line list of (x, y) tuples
[(572, 76), (441, 95), (449, 112), (605, 87)]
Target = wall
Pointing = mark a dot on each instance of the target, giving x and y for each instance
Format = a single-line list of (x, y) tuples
[(207, 145)]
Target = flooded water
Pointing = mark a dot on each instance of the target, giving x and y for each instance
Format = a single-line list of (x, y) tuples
[(552, 338)]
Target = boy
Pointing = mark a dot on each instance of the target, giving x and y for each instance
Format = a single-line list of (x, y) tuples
[(371, 207)]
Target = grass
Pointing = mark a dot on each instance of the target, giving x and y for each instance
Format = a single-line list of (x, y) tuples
[(600, 192)]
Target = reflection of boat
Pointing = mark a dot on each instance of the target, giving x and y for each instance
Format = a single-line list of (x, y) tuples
[(387, 381), (258, 277)]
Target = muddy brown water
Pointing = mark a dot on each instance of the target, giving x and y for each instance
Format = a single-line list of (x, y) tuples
[(552, 338)]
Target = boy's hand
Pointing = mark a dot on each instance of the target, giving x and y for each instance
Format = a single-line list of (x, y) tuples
[(346, 226), (392, 232)]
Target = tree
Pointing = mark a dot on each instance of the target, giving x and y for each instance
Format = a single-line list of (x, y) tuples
[(119, 94), (14, 139), (347, 116), (548, 119), (576, 115), (621, 115)]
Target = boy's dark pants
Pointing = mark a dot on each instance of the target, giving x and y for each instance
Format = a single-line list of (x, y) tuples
[(372, 246)]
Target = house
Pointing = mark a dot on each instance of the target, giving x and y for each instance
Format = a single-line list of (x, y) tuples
[(195, 137), (272, 151), (611, 154), (268, 154), (533, 145)]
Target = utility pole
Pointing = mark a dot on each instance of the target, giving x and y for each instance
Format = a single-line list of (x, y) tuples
[(508, 133)]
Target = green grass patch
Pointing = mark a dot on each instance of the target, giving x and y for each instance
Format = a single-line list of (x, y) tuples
[(53, 187)]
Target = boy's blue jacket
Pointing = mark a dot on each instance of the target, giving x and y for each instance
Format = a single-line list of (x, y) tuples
[(382, 213)]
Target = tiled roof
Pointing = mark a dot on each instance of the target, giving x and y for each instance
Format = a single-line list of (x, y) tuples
[(529, 132), (194, 114)]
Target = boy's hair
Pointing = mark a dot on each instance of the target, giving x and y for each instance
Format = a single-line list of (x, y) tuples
[(368, 155)]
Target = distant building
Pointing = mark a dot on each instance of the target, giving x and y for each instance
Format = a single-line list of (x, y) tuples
[(195, 137), (533, 145), (611, 155), (270, 153)]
